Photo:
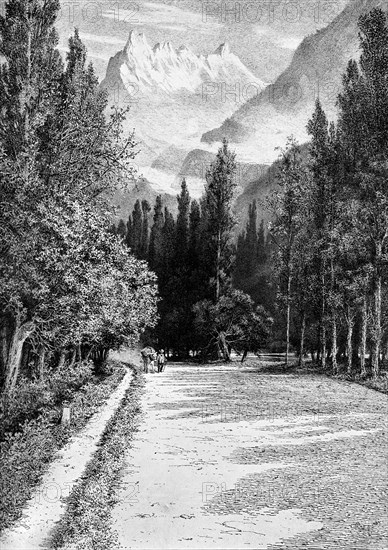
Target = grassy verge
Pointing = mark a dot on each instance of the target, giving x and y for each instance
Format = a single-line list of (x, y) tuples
[(25, 454), (86, 522), (379, 383)]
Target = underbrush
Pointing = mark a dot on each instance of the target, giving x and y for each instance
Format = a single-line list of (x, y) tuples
[(379, 383), (32, 433), (34, 398), (87, 520)]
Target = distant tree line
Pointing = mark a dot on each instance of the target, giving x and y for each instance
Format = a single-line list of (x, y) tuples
[(200, 310), (253, 267)]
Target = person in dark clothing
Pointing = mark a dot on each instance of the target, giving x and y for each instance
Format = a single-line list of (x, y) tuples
[(161, 361)]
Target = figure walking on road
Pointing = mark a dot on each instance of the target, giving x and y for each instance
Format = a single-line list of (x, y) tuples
[(152, 357), (145, 358), (161, 361), (148, 355)]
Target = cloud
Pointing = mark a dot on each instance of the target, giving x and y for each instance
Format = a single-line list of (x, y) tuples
[(91, 54), (102, 39), (164, 16), (179, 28), (289, 42)]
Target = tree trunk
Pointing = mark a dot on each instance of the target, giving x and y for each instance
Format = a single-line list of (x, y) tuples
[(224, 347), (364, 331), (377, 327), (20, 334), (288, 319), (324, 346), (62, 359), (42, 355), (218, 267), (323, 324), (302, 334), (334, 349), (349, 346), (73, 358)]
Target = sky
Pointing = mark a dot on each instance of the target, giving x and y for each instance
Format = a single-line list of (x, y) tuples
[(263, 33)]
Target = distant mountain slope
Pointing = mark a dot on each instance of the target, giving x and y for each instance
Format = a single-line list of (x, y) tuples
[(259, 190), (124, 200), (316, 70), (197, 162), (170, 160)]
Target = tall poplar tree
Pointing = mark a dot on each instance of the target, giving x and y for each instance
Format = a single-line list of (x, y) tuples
[(145, 230), (156, 236), (287, 210), (219, 194), (319, 149), (29, 84), (182, 226)]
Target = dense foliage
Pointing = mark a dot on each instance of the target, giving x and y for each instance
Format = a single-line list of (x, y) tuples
[(69, 289), (252, 271)]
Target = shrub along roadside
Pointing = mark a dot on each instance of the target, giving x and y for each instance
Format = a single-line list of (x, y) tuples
[(86, 522), (26, 454), (32, 399)]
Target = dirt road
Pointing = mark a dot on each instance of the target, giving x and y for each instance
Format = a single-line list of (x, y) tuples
[(229, 457)]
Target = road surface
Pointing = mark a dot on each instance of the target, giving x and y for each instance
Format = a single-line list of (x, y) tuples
[(237, 457)]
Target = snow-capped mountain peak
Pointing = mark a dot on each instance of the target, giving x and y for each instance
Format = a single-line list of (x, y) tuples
[(164, 69), (223, 50), (137, 44)]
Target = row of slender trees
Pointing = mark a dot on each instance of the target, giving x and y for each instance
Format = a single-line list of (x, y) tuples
[(69, 289), (330, 218)]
